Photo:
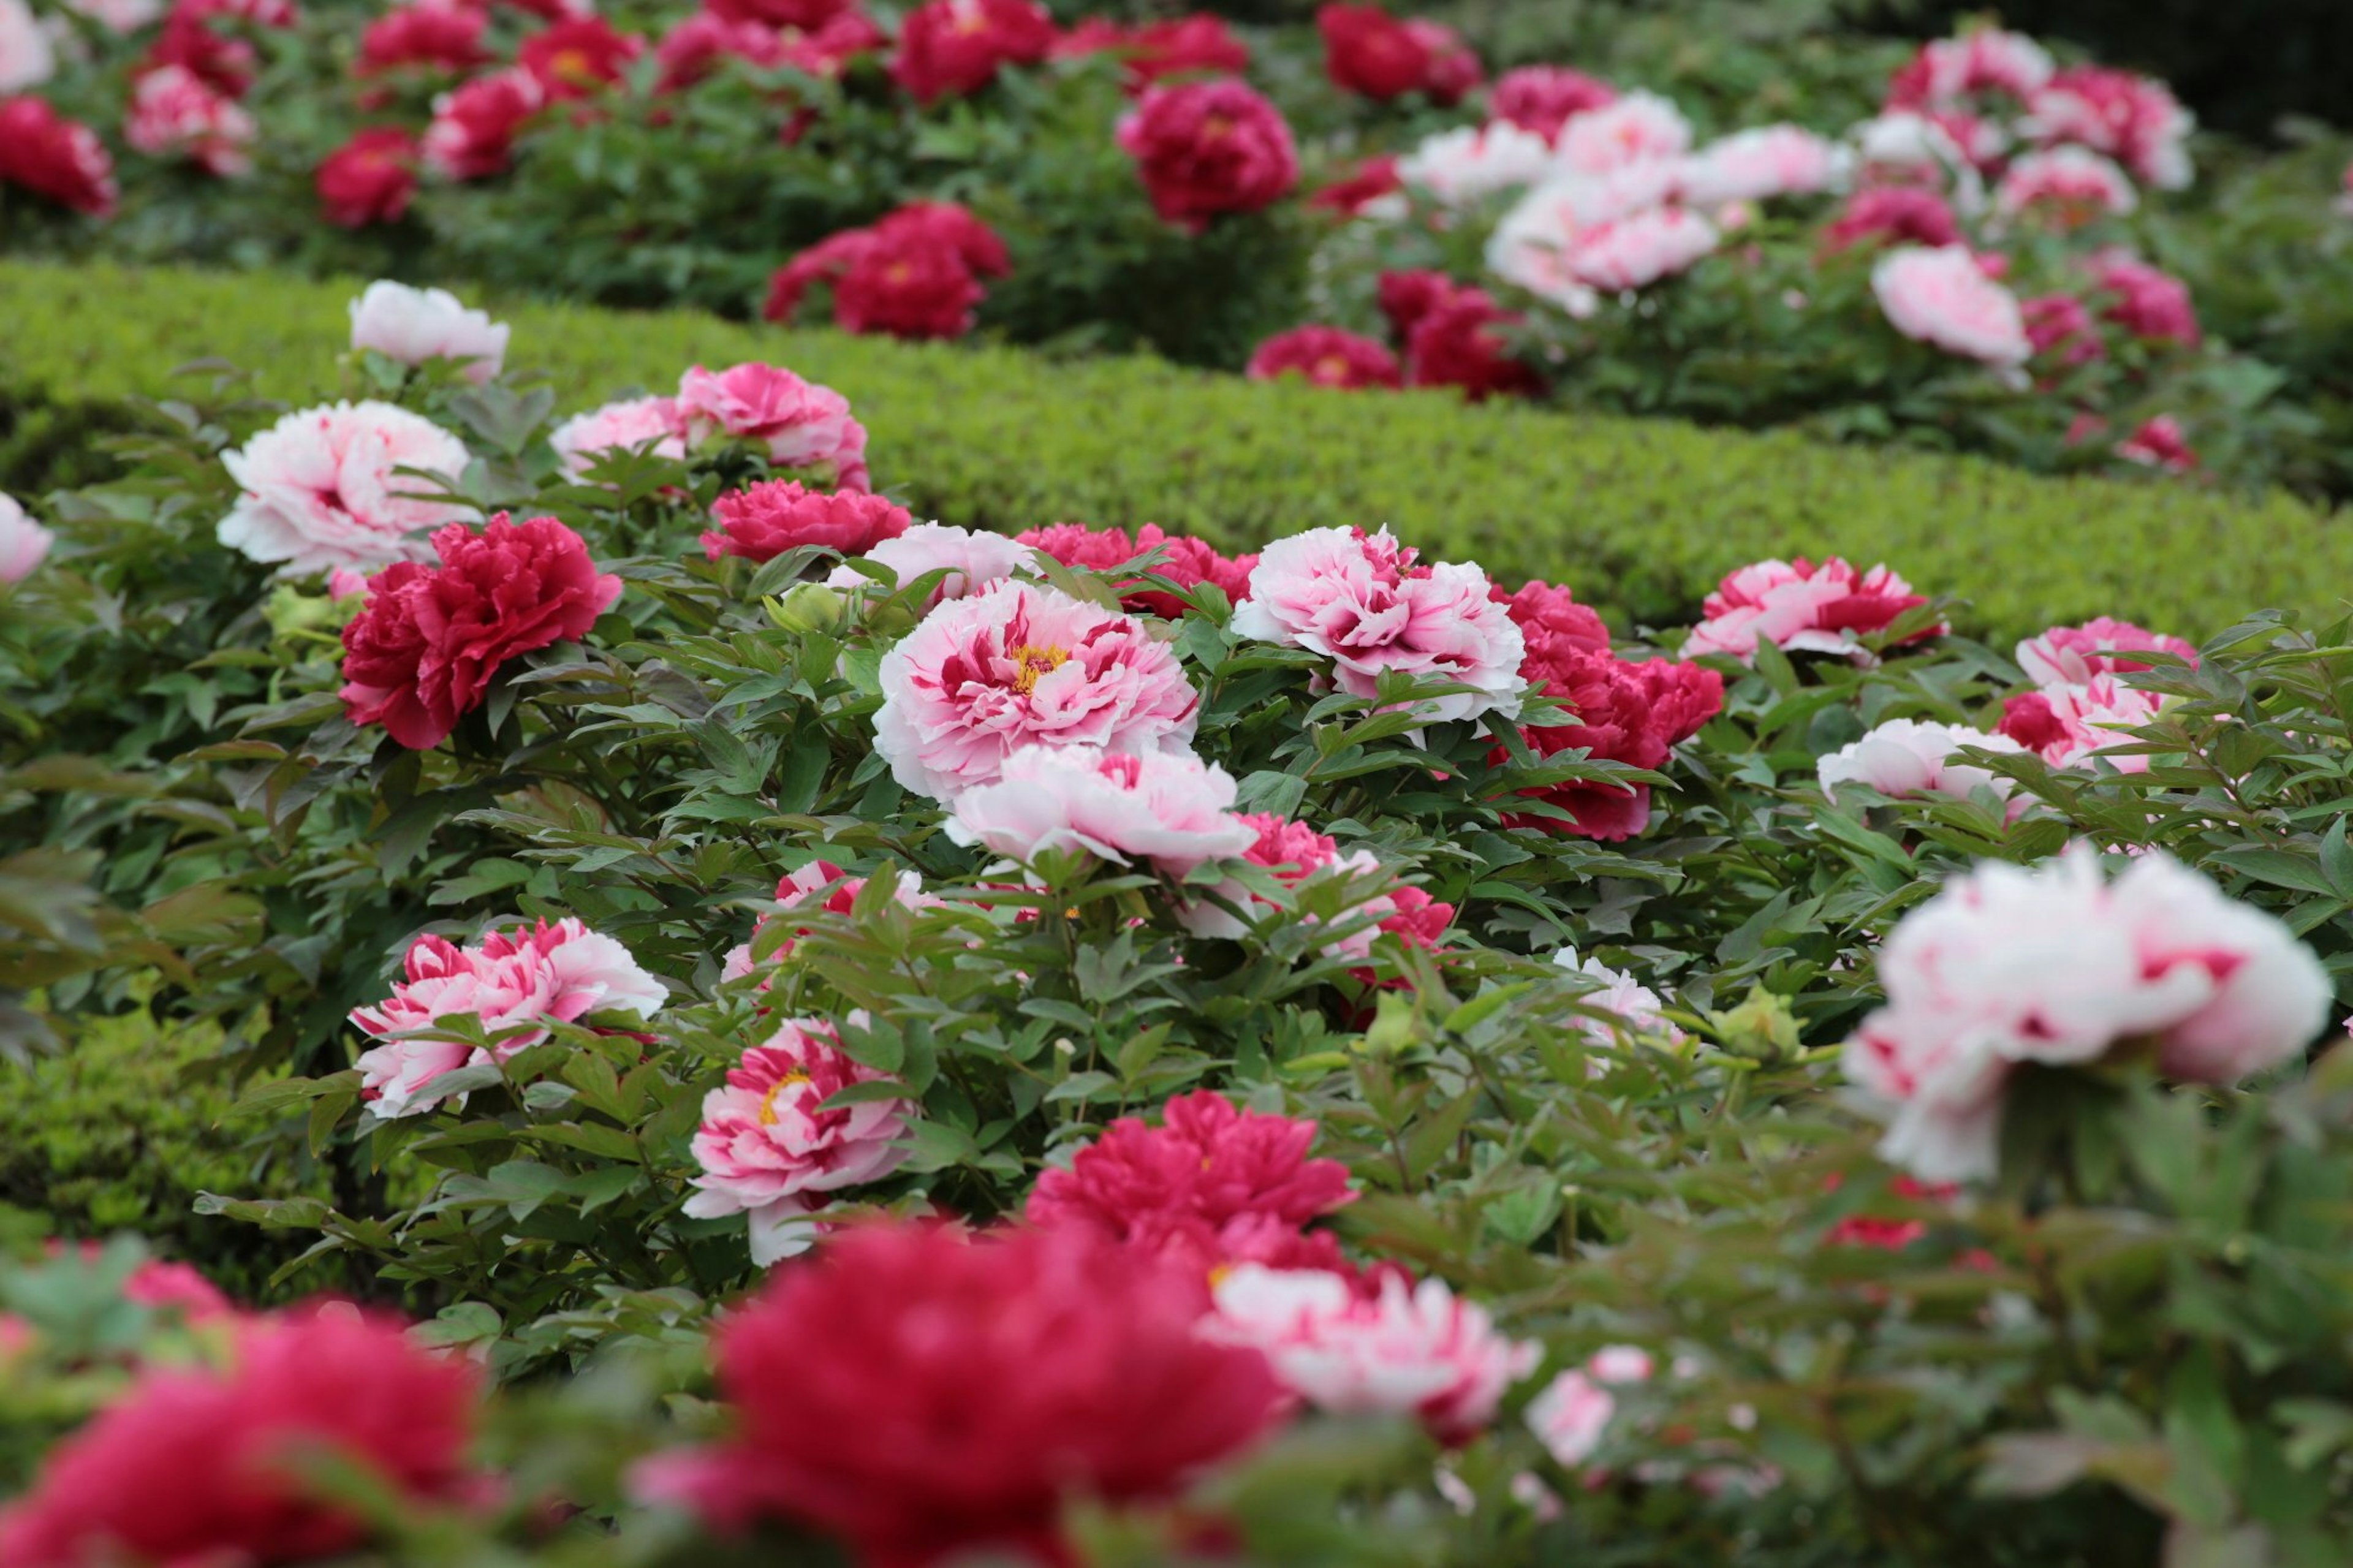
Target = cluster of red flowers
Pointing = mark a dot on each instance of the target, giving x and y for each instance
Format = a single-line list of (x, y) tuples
[(913, 274), (1449, 332)]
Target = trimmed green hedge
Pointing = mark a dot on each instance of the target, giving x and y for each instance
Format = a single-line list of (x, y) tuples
[(1638, 516)]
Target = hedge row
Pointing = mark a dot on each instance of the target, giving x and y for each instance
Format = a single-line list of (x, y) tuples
[(1638, 516)]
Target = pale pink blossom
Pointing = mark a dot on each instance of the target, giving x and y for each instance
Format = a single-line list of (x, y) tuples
[(1472, 161), (2065, 655), (342, 582), (1019, 665), (2068, 725), (1620, 1363), (514, 982), (319, 488), (1396, 1349), (1615, 991), (175, 113), (414, 325), (1641, 249), (1364, 602), (1760, 163), (1940, 296), (1800, 607), (1544, 244), (972, 558), (2073, 183), (1168, 810), (627, 425), (2057, 965), (1906, 757), (770, 1151), (27, 58), (801, 423), (1639, 126), (24, 543), (1569, 1417)]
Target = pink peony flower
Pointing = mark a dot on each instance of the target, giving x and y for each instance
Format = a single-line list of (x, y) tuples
[(1168, 809), (1361, 601), (579, 57), (27, 58), (1637, 128), (2057, 324), (1758, 164), (1326, 356), (24, 543), (1544, 99), (821, 885), (801, 423), (766, 1145), (763, 521), (1906, 757), (972, 559), (693, 50), (474, 127), (1018, 666), (1615, 991), (1949, 72), (1185, 561), (319, 488), (914, 273), (121, 17), (2147, 302), (2065, 655), (1369, 52), (1564, 240), (1895, 214), (177, 1290), (435, 35), (949, 49), (370, 179), (55, 158), (518, 980), (2070, 185), (1632, 252), (174, 113), (1473, 163), (415, 325), (1399, 1348), (2159, 444), (2067, 726), (1201, 44), (1942, 297), (1569, 1417), (1939, 151), (1451, 339), (2058, 965), (1800, 607), (617, 426), (2132, 119), (1293, 852)]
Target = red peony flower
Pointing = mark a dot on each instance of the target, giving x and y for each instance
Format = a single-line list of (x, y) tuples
[(1543, 99), (808, 16), (1893, 214), (2159, 444), (967, 1390), (1150, 51), (1449, 341), (912, 275), (948, 49), (439, 35), (202, 1466), (1371, 53), (2058, 324), (474, 127), (1326, 356), (188, 40), (1210, 147), (1374, 178), (1185, 561), (693, 50), (54, 157), (421, 654), (370, 178), (763, 521), (2151, 304), (578, 57)]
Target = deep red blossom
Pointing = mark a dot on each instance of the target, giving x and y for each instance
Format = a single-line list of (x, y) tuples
[(1893, 214), (913, 274), (924, 1395), (1150, 51), (188, 40), (808, 16), (1543, 99), (1449, 340), (2058, 324), (1209, 147), (948, 49), (693, 50), (369, 179), (1185, 561), (2146, 301), (439, 34), (1371, 53), (763, 521), (54, 157), (421, 654), (475, 126), (1326, 356), (196, 1465), (2030, 720), (1373, 179), (2159, 444), (579, 57)]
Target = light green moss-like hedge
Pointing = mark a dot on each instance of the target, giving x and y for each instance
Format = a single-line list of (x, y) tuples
[(1638, 517)]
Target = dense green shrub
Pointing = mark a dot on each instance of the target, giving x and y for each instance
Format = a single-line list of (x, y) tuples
[(1640, 516)]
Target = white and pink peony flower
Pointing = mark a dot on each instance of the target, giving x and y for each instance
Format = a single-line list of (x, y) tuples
[(770, 1151), (624, 425), (27, 58), (2068, 725), (175, 113), (972, 558), (1636, 252), (1615, 991), (1800, 607), (24, 543), (1904, 148), (2059, 965), (1949, 72), (1472, 161), (1294, 853), (1361, 601), (1542, 244), (2073, 184), (519, 980), (2132, 119), (1760, 163), (1940, 296), (1639, 126), (1019, 665), (1395, 1349), (801, 423), (1168, 810), (414, 325), (1907, 757), (321, 487), (1574, 1410), (2072, 656), (821, 885)]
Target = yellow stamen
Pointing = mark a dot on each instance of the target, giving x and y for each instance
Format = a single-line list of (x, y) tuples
[(769, 1100), (1035, 661)]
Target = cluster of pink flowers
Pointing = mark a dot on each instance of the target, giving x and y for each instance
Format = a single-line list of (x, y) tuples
[(914, 273), (2078, 709), (1802, 608), (513, 983), (2061, 967)]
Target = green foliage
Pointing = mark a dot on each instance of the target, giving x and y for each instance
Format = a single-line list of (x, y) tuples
[(1638, 517)]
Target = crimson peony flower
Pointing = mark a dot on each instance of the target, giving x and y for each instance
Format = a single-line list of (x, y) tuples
[(763, 521), (223, 64), (1543, 99), (1326, 356), (369, 179), (206, 1465), (808, 16), (1893, 214), (422, 653), (967, 1390), (1371, 53), (54, 157), (1185, 561), (913, 274), (1450, 337), (578, 57), (2058, 324), (474, 127), (1210, 147), (2159, 444), (1149, 51), (437, 35), (1374, 179), (948, 49), (2150, 304), (693, 50)]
